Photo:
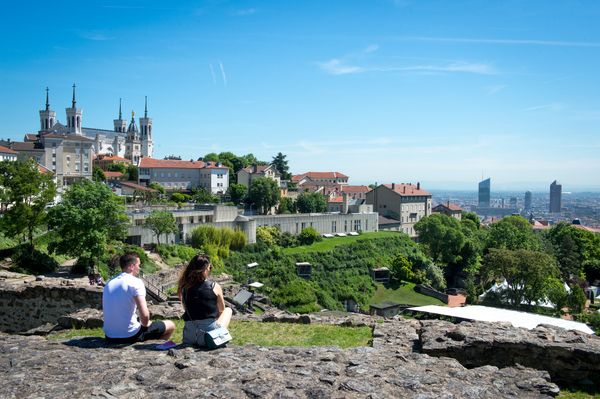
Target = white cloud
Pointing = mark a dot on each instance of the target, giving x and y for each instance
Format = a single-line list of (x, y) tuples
[(371, 49), (550, 107), (223, 75), (212, 73), (530, 42), (491, 90), (336, 67)]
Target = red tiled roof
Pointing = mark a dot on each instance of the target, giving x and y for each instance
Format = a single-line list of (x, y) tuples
[(113, 175), (355, 189), (213, 165), (319, 175), (451, 207), (406, 189), (31, 137), (170, 164), (256, 168), (336, 199), (137, 186), (7, 150), (43, 169), (112, 158)]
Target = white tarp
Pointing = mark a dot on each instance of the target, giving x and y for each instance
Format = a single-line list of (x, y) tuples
[(517, 319)]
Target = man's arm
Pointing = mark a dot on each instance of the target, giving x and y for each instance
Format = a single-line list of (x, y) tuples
[(140, 301)]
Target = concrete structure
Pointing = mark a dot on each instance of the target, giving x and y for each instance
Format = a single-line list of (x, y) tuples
[(344, 204), (326, 183), (187, 220), (68, 156), (6, 154), (324, 223), (527, 201), (246, 175), (25, 150), (484, 193), (184, 175), (555, 197), (405, 203), (449, 209)]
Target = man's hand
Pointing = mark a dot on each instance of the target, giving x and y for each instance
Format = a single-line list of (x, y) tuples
[(140, 301)]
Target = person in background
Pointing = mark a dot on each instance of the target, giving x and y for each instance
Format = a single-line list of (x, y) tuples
[(122, 296), (202, 300)]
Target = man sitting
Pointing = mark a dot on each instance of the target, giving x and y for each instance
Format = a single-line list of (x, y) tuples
[(124, 294)]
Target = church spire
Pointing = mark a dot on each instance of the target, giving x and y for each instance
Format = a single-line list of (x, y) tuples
[(74, 102), (132, 116), (47, 102), (120, 114), (146, 107)]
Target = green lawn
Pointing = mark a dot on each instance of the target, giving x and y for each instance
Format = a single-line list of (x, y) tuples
[(328, 244), (403, 294), (267, 334)]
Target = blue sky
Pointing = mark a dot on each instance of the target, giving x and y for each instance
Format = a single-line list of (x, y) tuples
[(440, 92)]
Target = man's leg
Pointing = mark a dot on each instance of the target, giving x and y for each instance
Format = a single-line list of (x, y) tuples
[(169, 329), (159, 329), (225, 318)]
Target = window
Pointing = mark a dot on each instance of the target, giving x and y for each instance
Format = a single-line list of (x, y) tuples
[(333, 226), (345, 225), (303, 225)]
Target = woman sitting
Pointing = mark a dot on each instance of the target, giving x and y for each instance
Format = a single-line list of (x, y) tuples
[(202, 300)]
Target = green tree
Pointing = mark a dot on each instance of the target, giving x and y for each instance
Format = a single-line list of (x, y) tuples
[(577, 250), (264, 194), (311, 203), (211, 157), (180, 197), (202, 196), (157, 187), (161, 222), (237, 192), (512, 232), (133, 173), (401, 268), (26, 192), (268, 235), (576, 299), (442, 236), (526, 273), (118, 167), (281, 165), (98, 174), (89, 217), (472, 216), (308, 236), (286, 205), (556, 293)]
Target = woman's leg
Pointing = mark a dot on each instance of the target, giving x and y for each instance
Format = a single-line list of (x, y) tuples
[(225, 318)]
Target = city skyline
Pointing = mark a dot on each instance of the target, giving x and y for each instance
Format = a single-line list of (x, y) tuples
[(416, 91)]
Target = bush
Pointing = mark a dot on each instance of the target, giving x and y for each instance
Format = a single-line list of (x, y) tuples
[(221, 237), (267, 235), (297, 296), (308, 236), (183, 252), (33, 261)]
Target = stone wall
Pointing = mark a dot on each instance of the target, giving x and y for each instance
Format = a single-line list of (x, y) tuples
[(26, 304)]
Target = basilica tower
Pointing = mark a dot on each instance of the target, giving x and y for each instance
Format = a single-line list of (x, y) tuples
[(120, 124), (146, 133), (47, 116), (74, 116)]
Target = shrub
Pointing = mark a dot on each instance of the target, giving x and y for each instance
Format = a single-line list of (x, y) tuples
[(33, 261), (222, 237), (308, 236), (268, 235)]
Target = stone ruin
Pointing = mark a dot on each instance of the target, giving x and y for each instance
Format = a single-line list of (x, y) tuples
[(408, 358)]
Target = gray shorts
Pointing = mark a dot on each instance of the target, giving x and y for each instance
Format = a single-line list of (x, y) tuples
[(194, 330)]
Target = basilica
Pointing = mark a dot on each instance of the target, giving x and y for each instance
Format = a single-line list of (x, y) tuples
[(125, 141)]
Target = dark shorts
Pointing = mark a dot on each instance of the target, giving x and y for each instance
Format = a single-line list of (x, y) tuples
[(155, 331)]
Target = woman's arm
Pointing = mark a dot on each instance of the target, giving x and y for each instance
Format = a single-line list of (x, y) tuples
[(220, 300)]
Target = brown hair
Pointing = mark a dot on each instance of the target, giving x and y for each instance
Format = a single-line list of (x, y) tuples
[(128, 259), (193, 273)]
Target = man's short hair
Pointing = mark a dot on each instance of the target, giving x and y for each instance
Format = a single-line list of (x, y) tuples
[(128, 259)]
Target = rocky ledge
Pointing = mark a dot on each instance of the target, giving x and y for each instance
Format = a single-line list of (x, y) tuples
[(35, 367)]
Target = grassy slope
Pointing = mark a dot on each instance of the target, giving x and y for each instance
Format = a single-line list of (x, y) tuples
[(328, 244), (267, 334), (403, 294)]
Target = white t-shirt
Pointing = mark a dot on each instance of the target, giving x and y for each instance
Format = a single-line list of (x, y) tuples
[(120, 319)]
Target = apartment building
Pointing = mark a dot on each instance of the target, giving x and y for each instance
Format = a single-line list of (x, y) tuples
[(405, 204)]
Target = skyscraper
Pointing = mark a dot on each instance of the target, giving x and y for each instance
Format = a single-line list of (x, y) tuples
[(484, 193), (555, 197), (527, 206)]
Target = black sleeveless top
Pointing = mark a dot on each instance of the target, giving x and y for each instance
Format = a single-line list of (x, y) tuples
[(200, 302)]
